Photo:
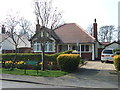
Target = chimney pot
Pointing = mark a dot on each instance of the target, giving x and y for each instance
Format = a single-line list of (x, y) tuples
[(95, 20), (3, 29)]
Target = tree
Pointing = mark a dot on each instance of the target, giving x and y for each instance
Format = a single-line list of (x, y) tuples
[(12, 23), (106, 33), (90, 29), (49, 17), (25, 27)]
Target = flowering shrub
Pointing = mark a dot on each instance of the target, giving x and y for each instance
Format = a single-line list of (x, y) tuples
[(116, 61), (68, 62), (8, 62), (20, 62)]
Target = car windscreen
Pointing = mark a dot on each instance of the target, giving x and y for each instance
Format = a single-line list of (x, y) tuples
[(107, 52)]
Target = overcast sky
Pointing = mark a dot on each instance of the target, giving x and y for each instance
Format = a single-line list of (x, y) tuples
[(82, 12)]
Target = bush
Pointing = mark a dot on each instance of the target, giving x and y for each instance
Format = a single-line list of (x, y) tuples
[(20, 66), (116, 51), (68, 62), (116, 62), (36, 67)]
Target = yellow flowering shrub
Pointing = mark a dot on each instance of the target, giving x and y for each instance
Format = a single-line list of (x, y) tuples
[(20, 62), (116, 61), (40, 63), (68, 62), (8, 62)]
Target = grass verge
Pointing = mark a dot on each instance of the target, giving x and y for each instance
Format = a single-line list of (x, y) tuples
[(47, 73)]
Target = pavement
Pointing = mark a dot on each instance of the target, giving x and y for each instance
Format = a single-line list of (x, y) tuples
[(92, 75)]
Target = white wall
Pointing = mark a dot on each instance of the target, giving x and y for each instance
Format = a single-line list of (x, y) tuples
[(113, 46), (8, 43)]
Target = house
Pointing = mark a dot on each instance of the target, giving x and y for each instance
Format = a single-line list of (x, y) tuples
[(113, 45), (67, 37), (8, 46)]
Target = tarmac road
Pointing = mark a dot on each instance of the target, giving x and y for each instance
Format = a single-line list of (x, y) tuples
[(11, 84)]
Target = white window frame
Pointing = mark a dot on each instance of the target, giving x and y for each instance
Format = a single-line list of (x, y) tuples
[(85, 48), (48, 47)]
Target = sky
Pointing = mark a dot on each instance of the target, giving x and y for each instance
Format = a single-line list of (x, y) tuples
[(82, 12)]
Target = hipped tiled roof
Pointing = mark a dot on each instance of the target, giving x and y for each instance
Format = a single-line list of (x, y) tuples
[(72, 33)]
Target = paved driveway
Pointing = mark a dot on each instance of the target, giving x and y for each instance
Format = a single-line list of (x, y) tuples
[(95, 74)]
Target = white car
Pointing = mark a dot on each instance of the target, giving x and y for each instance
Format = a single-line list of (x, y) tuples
[(107, 55)]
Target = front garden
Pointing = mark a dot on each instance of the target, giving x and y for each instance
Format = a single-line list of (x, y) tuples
[(30, 64)]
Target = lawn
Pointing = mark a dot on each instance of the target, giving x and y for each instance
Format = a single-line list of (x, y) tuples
[(46, 73)]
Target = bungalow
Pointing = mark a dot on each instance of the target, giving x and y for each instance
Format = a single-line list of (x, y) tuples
[(8, 46), (67, 37)]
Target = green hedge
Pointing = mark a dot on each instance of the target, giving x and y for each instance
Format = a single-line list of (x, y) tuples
[(21, 57), (31, 56), (68, 62), (116, 50)]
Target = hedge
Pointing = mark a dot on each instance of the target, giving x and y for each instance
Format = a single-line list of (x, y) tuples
[(116, 62), (31, 56), (116, 50), (68, 62)]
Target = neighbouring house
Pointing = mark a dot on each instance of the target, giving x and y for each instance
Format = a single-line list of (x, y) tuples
[(67, 37), (7, 45), (113, 45)]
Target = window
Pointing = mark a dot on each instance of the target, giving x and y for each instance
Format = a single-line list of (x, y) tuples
[(46, 46), (85, 48), (49, 47), (107, 52), (37, 47), (82, 47)]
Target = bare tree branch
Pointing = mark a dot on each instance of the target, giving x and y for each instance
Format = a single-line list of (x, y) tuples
[(49, 17), (106, 33)]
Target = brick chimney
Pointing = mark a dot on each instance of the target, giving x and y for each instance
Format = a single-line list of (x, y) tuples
[(3, 29), (37, 25), (95, 29)]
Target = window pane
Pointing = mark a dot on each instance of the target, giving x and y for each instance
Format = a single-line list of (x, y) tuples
[(34, 47), (50, 47), (82, 47), (46, 47), (87, 48)]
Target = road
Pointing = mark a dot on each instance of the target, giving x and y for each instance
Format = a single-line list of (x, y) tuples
[(11, 84)]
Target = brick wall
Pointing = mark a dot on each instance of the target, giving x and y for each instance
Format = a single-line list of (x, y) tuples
[(87, 56)]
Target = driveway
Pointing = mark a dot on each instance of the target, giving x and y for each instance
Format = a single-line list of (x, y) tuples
[(95, 74)]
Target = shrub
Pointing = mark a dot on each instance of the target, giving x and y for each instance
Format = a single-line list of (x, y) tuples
[(116, 62), (36, 67), (116, 50), (20, 66), (68, 62)]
